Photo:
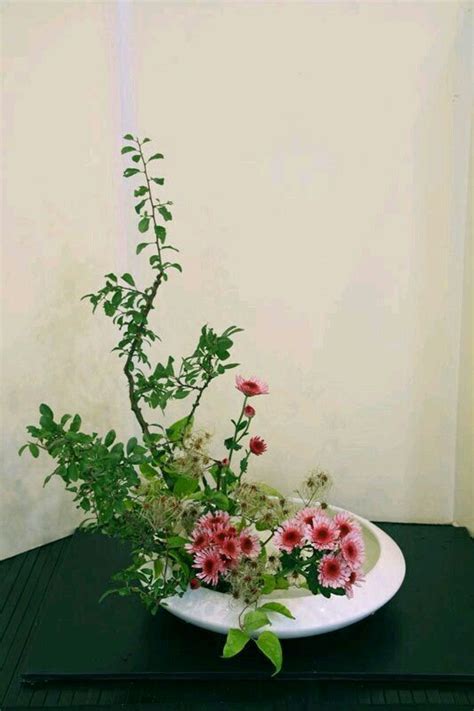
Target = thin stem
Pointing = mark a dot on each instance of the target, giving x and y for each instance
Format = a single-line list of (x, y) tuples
[(237, 428)]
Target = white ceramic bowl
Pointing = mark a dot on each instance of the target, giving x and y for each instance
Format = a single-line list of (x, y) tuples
[(314, 614)]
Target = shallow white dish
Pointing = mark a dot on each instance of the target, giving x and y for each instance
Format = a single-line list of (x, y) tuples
[(314, 614)]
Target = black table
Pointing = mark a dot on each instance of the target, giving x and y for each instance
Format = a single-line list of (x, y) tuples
[(425, 633)]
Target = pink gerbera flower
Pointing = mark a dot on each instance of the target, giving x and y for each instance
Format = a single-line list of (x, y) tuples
[(289, 536), (249, 544), (199, 541), (251, 386), (355, 579), (306, 516), (346, 524), (231, 548), (353, 550), (220, 534), (322, 533), (211, 521), (210, 563), (333, 571), (257, 446)]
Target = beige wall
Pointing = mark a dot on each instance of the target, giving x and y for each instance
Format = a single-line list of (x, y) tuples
[(315, 170)]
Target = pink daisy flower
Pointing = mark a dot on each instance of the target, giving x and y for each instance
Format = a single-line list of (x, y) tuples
[(251, 386), (306, 516), (346, 524), (211, 520), (219, 534), (355, 579), (199, 541), (210, 563), (322, 533), (289, 536), (257, 446), (333, 571), (231, 548), (353, 550), (249, 544)]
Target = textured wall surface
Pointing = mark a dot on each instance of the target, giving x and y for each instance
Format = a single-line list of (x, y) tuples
[(316, 173)]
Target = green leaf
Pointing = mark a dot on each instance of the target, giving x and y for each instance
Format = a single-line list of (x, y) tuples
[(148, 471), (129, 172), (139, 206), (22, 449), (255, 619), (160, 232), (127, 149), (235, 642), (144, 224), (128, 278), (176, 431), (277, 607), (281, 583), (176, 541), (268, 584), (34, 450), (75, 424), (269, 644), (155, 156), (269, 490), (159, 181), (141, 246), (109, 438), (185, 485), (142, 190), (128, 137), (165, 213), (46, 411), (131, 444), (136, 158)]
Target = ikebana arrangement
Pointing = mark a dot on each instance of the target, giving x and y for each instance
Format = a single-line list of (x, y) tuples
[(190, 514)]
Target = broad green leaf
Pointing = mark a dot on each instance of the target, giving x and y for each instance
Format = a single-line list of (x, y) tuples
[(158, 567), (176, 431), (160, 232), (127, 149), (176, 541), (144, 224), (109, 438), (148, 471), (141, 246), (142, 190), (165, 213), (128, 137), (277, 607), (159, 181), (269, 490), (129, 172), (131, 444), (34, 450), (75, 424), (269, 644), (139, 206), (136, 158), (268, 584), (156, 156), (255, 619), (281, 583), (22, 449), (128, 278), (46, 411), (185, 485), (235, 642)]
